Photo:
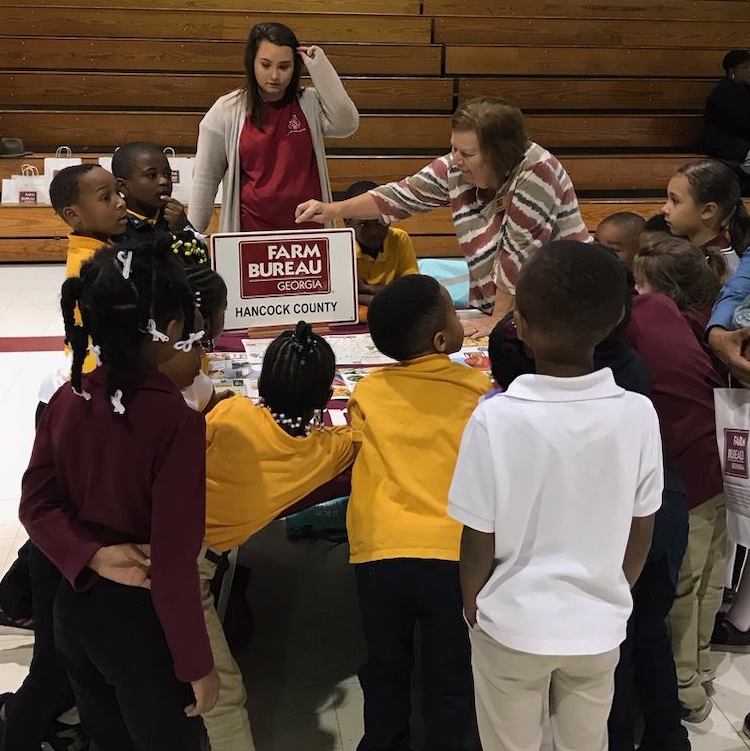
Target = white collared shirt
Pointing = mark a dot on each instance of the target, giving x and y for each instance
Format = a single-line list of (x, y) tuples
[(557, 468)]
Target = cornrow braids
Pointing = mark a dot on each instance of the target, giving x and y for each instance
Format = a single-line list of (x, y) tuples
[(210, 293), (124, 293), (295, 380)]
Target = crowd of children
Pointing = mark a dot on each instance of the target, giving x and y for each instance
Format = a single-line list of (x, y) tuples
[(557, 542)]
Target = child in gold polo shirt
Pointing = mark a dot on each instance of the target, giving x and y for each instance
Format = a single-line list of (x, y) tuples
[(260, 460), (407, 422), (85, 197), (383, 253)]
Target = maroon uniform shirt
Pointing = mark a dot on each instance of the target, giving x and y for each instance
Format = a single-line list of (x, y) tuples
[(97, 478)]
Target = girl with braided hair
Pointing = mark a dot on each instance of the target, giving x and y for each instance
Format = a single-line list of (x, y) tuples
[(118, 471), (261, 460)]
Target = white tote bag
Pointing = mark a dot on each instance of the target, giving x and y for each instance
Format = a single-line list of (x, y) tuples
[(732, 438), (29, 188), (63, 158), (182, 175)]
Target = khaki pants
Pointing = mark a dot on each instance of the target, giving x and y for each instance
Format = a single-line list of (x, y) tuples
[(227, 723), (698, 598), (513, 688)]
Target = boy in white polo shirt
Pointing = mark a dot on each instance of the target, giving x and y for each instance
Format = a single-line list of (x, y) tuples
[(557, 483)]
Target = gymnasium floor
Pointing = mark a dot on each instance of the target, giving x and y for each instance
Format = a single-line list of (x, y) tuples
[(301, 663)]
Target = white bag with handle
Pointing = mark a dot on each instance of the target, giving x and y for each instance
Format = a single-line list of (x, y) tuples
[(106, 163), (29, 188), (732, 438), (182, 175), (63, 158)]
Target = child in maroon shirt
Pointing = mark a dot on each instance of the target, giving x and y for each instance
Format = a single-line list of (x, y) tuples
[(119, 462), (679, 284)]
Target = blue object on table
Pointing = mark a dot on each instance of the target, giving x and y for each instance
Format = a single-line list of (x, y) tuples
[(452, 273), (326, 520)]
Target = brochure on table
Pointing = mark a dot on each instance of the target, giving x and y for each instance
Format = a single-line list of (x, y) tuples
[(280, 278)]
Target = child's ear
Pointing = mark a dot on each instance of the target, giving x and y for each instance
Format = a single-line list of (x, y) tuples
[(709, 211), (174, 330), (440, 342), (72, 217), (521, 325)]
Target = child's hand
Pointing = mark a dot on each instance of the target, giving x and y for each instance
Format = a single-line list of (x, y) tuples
[(127, 564), (206, 691), (174, 214)]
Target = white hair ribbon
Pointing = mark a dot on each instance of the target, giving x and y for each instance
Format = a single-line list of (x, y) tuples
[(125, 258), (83, 393), (156, 335), (96, 351), (116, 400), (187, 344)]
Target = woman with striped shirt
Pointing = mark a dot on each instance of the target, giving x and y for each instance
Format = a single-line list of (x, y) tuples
[(508, 196)]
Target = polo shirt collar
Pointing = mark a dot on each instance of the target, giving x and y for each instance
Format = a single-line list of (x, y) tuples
[(541, 388), (139, 221)]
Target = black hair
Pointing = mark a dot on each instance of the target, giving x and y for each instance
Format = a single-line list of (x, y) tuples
[(282, 36), (115, 311), (508, 355), (627, 220), (124, 158), (656, 223), (574, 292), (405, 316), (210, 292), (63, 190), (712, 181), (358, 189), (297, 373), (733, 58)]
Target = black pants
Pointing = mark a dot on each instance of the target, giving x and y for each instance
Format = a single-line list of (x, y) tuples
[(114, 649), (646, 674), (46, 692), (395, 596)]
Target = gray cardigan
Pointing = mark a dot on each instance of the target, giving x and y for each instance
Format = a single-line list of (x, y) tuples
[(329, 112)]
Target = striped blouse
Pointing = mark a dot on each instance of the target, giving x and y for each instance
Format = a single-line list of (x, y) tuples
[(536, 205)]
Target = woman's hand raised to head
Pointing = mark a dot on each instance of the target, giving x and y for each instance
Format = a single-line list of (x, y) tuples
[(315, 211), (307, 52)]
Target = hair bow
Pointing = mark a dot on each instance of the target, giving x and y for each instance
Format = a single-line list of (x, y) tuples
[(125, 257), (187, 344), (156, 335), (116, 400)]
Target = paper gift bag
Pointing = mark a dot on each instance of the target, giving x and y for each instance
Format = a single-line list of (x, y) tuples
[(106, 163), (182, 175), (732, 437), (63, 158), (29, 188)]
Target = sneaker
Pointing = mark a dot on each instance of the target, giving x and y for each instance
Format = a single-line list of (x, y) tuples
[(696, 716), (728, 637), (67, 738)]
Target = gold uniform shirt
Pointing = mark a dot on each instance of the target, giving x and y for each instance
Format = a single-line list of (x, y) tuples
[(80, 250), (409, 420), (255, 470), (397, 258)]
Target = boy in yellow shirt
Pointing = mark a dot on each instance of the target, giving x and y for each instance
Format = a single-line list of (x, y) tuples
[(261, 460), (384, 253), (407, 421), (85, 197)]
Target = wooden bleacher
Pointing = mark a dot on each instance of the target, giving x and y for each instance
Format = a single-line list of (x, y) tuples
[(608, 85)]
